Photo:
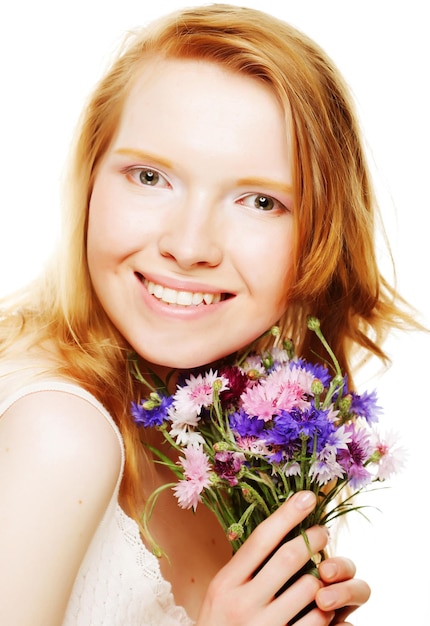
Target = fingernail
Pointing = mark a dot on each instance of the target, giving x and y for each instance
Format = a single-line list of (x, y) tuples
[(329, 570), (305, 499)]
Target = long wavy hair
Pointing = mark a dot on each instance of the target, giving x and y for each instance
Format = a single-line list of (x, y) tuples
[(335, 274)]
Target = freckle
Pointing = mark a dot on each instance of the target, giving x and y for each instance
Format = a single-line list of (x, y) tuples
[(79, 501)]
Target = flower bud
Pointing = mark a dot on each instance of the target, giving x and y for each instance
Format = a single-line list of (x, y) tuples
[(217, 385), (338, 380), (253, 374), (148, 405), (345, 404), (313, 323), (268, 361), (234, 532), (221, 446), (317, 387), (288, 346)]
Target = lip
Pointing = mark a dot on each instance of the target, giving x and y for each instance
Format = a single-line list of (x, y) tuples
[(181, 285), (176, 296)]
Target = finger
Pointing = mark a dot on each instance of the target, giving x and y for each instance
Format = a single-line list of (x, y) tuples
[(288, 559), (336, 569), (343, 597), (295, 605), (269, 534), (315, 617)]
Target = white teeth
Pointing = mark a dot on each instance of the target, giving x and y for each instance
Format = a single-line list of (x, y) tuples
[(184, 298), (197, 298), (169, 295)]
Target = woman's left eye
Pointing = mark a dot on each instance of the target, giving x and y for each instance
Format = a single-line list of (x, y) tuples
[(262, 202), (148, 176)]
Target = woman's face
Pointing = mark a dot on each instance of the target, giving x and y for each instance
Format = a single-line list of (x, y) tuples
[(190, 232)]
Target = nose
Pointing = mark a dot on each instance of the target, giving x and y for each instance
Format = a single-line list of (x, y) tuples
[(193, 236)]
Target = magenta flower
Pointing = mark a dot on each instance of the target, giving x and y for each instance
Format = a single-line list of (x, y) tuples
[(354, 458), (228, 464)]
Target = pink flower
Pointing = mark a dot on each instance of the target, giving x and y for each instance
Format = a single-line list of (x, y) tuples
[(197, 471), (282, 390), (198, 392), (388, 455), (184, 413)]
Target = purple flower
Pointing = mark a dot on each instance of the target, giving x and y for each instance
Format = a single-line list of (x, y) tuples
[(290, 426), (228, 464), (354, 457), (316, 369), (326, 468), (365, 405), (155, 415), (246, 426)]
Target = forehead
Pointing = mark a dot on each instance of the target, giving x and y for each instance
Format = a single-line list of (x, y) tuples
[(174, 96), (170, 82)]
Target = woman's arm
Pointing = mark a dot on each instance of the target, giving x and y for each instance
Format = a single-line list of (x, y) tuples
[(59, 463), (237, 598)]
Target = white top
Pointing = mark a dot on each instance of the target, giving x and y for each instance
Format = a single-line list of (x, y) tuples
[(119, 582)]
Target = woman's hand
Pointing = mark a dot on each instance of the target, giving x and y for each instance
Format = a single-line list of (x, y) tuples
[(342, 592), (237, 596)]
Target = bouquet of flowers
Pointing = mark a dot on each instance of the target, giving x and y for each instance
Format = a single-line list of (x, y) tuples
[(251, 434)]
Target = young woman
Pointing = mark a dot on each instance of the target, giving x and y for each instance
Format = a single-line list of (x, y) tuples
[(218, 187)]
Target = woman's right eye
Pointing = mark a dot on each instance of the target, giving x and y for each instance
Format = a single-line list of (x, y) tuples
[(148, 176)]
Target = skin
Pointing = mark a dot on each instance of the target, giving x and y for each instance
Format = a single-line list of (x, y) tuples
[(210, 148)]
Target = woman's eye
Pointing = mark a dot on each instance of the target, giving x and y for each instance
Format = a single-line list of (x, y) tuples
[(148, 177), (262, 202)]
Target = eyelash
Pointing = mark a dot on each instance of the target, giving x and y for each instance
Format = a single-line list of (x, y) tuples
[(277, 204), (135, 173)]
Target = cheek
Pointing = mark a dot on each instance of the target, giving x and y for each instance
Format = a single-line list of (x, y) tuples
[(272, 273), (112, 233)]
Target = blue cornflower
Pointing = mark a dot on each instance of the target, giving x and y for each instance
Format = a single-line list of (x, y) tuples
[(316, 369), (244, 425), (365, 405), (290, 426), (153, 416)]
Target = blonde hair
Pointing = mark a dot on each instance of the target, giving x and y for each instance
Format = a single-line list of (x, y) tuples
[(336, 277)]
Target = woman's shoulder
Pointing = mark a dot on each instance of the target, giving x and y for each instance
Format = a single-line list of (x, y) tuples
[(62, 455), (60, 412), (60, 421)]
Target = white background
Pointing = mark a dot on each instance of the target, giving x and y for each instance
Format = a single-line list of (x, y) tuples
[(51, 53)]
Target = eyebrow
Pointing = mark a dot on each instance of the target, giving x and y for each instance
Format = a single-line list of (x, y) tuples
[(144, 156), (265, 182), (250, 182)]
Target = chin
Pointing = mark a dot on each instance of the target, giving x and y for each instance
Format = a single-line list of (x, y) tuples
[(185, 361)]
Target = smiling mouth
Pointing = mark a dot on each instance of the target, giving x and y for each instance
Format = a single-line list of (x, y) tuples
[(181, 297)]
